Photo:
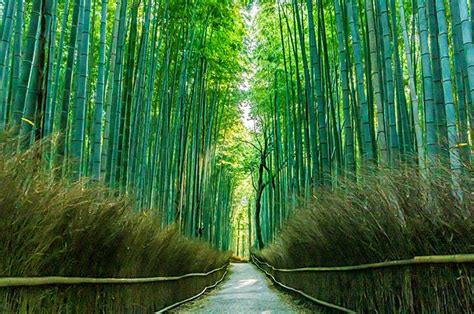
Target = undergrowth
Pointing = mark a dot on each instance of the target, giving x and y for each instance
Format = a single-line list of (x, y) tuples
[(386, 215), (51, 227), (390, 214)]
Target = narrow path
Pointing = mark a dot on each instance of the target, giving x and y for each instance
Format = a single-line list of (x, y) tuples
[(246, 290)]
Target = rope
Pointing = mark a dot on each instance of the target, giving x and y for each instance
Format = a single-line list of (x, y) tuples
[(317, 301), (172, 306), (419, 260), (57, 280)]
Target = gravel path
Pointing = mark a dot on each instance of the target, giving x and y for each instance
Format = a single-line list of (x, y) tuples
[(246, 290)]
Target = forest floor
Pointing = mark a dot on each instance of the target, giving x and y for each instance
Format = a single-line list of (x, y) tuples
[(246, 290)]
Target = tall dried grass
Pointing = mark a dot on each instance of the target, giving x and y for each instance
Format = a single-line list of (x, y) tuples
[(51, 227), (386, 215)]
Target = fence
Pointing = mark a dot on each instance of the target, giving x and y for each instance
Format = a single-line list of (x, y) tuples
[(426, 284), (99, 295)]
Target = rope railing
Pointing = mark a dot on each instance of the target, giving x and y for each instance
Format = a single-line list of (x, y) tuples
[(418, 260), (172, 306), (257, 263), (31, 282), (58, 280)]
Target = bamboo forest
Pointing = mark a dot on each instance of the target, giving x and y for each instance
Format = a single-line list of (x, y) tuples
[(236, 156)]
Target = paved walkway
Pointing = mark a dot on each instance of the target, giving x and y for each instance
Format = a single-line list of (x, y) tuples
[(246, 290)]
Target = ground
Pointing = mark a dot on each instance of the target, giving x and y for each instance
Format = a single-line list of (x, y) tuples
[(246, 290)]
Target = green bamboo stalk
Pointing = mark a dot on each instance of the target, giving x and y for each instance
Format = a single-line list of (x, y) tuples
[(31, 103), (376, 79), (33, 112), (402, 106), (17, 43), (6, 32), (324, 137), (468, 45), (352, 12), (349, 150), (68, 76), (440, 114), (50, 102), (79, 112), (126, 113), (413, 93), (27, 64), (460, 71), (311, 87), (110, 75), (428, 93), (451, 119), (115, 104), (96, 152), (389, 82)]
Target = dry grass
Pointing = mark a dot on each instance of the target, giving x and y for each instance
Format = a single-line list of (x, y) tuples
[(388, 215), (53, 227)]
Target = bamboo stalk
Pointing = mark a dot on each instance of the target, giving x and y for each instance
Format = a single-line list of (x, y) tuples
[(59, 280), (418, 260)]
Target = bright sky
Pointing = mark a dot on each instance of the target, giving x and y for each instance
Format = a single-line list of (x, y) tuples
[(250, 16), (247, 120)]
